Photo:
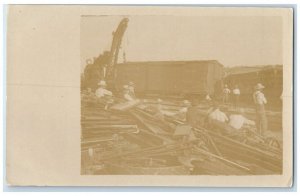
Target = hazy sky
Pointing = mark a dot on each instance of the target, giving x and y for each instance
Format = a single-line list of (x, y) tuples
[(233, 41)]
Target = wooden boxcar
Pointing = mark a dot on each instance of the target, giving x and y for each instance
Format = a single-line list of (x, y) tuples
[(172, 77)]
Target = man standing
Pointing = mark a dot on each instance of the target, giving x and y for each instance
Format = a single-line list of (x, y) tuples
[(260, 101), (226, 92), (236, 96)]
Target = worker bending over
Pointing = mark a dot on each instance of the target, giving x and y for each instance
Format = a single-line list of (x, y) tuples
[(238, 121), (218, 115)]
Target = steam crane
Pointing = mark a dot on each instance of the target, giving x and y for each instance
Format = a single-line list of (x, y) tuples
[(114, 50), (103, 66)]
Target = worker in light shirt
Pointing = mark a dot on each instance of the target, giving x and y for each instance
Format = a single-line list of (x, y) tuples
[(218, 115), (102, 91), (104, 96), (260, 101), (238, 121), (236, 95)]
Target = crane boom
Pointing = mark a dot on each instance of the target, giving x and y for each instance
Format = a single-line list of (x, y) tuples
[(103, 66), (115, 47)]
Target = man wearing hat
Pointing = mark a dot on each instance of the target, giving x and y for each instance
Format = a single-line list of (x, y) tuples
[(104, 96), (260, 101), (101, 92)]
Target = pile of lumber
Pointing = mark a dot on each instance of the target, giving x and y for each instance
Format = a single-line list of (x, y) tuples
[(127, 138)]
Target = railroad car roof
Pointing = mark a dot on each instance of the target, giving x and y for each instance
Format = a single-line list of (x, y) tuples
[(172, 62), (251, 69)]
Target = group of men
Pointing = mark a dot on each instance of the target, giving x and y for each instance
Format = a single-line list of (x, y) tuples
[(235, 92), (236, 119), (106, 97)]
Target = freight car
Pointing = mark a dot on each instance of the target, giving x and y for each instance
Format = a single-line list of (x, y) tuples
[(172, 77), (271, 76)]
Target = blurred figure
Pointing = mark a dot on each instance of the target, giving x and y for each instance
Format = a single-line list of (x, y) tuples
[(88, 94), (88, 61), (208, 98), (192, 114), (260, 101), (181, 114), (185, 104), (161, 110), (88, 97), (131, 87), (103, 71), (126, 93), (236, 96), (226, 92)]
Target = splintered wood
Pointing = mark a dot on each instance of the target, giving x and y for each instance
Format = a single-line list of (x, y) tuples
[(138, 137)]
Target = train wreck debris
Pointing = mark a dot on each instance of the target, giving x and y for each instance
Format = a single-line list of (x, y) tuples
[(175, 118), (143, 144)]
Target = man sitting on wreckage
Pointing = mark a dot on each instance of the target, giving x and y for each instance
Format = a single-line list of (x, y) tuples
[(237, 126), (103, 95), (217, 115)]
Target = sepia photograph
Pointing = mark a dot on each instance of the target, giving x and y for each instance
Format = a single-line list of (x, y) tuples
[(149, 96), (181, 95)]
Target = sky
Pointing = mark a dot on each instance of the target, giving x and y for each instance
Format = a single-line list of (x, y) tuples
[(231, 40)]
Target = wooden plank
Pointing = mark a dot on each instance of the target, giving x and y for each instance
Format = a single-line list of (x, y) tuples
[(126, 105), (155, 130), (222, 159)]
